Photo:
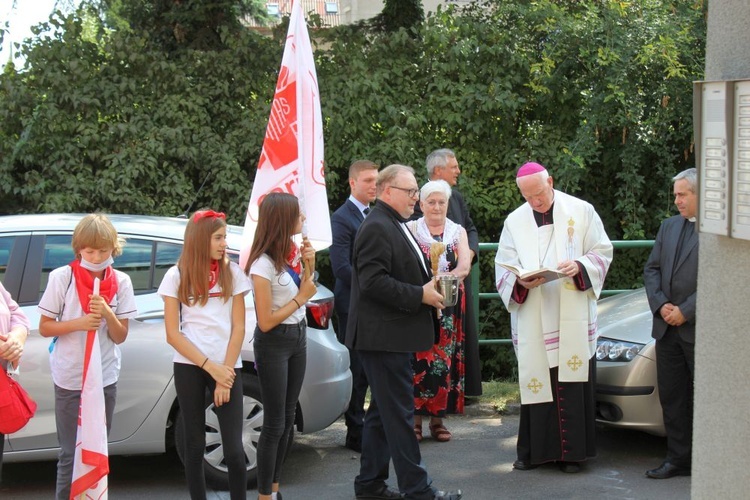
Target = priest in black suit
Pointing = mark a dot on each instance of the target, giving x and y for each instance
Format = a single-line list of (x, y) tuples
[(391, 315), (345, 222), (443, 165), (671, 280)]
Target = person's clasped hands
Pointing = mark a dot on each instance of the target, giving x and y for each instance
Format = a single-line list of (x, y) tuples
[(10, 349), (672, 314)]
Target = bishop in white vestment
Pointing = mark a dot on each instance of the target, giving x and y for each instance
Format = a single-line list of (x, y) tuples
[(553, 323)]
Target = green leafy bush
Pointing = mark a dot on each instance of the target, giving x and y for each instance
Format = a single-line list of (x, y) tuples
[(122, 112)]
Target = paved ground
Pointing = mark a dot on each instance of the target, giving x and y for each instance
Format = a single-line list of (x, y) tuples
[(477, 460)]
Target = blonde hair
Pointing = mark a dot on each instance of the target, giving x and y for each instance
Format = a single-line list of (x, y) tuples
[(96, 231), (195, 262)]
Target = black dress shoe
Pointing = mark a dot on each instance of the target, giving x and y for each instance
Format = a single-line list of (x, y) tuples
[(384, 493), (667, 470), (521, 465), (448, 495), (569, 467)]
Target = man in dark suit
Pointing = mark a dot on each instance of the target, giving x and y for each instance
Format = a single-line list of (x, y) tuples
[(345, 221), (442, 165), (392, 314), (671, 278)]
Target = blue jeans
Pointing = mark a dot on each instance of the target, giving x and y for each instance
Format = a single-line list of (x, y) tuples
[(281, 359)]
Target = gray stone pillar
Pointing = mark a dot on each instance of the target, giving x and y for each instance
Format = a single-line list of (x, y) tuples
[(721, 439)]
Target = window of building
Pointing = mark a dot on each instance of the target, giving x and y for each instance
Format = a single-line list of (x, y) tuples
[(273, 9), (332, 7)]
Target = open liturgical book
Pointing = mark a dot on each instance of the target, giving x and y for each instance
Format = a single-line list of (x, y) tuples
[(524, 274)]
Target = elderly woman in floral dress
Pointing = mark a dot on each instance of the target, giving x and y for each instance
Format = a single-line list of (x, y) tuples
[(439, 372)]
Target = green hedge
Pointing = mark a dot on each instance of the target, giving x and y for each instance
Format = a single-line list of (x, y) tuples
[(108, 116)]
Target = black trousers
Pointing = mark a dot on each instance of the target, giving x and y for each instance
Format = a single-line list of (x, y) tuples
[(191, 383), (675, 366), (281, 361), (355, 413), (388, 432)]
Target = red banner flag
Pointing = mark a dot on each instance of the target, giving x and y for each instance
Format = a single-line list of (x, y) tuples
[(91, 461), (292, 156)]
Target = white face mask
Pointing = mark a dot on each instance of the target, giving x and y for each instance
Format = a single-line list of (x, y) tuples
[(96, 267)]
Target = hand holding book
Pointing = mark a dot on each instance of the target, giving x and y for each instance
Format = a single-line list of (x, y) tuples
[(526, 275)]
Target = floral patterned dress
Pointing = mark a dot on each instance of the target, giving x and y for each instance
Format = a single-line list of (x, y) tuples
[(439, 372)]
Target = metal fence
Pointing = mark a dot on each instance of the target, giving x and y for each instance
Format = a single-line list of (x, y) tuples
[(475, 273), (492, 247)]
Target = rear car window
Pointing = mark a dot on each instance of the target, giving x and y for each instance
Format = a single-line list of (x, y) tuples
[(57, 253), (145, 261), (6, 245)]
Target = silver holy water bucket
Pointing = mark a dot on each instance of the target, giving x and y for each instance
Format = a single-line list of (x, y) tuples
[(448, 288)]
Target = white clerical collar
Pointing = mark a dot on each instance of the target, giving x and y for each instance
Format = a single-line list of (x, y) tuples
[(691, 219), (361, 206)]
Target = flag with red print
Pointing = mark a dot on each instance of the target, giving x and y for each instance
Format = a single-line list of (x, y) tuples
[(91, 461), (292, 157)]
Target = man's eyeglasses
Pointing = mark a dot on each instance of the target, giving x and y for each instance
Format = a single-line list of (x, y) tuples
[(411, 192)]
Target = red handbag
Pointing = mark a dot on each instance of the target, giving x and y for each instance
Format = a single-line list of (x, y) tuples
[(16, 406)]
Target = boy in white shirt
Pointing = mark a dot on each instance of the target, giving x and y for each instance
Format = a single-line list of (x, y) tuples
[(70, 309)]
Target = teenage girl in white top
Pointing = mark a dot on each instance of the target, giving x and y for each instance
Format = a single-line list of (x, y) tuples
[(280, 343), (204, 315)]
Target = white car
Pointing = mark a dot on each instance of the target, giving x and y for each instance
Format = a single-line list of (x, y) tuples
[(146, 418), (627, 394)]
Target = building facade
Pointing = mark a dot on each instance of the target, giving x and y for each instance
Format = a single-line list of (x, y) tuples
[(335, 12), (328, 10), (357, 10)]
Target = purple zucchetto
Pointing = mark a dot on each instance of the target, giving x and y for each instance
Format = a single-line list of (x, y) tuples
[(530, 168)]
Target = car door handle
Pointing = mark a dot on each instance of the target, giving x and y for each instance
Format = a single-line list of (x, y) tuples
[(152, 317)]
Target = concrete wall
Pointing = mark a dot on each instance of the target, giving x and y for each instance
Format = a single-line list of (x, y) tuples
[(721, 440)]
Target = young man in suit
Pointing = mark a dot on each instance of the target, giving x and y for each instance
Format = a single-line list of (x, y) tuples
[(345, 221), (391, 315), (671, 280)]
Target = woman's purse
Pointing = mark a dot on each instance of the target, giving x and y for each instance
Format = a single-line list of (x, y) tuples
[(16, 406)]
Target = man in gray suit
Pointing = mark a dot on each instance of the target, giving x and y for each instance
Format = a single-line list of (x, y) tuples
[(671, 279)]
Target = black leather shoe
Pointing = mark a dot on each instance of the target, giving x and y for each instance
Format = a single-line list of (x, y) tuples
[(448, 495), (521, 465), (384, 493), (667, 470), (569, 467)]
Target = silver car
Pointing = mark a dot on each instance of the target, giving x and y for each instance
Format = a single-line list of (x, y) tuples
[(626, 391), (147, 414)]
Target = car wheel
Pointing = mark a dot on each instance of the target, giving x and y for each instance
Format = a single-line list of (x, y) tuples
[(214, 465)]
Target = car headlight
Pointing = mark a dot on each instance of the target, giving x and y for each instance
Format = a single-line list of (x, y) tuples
[(616, 350)]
